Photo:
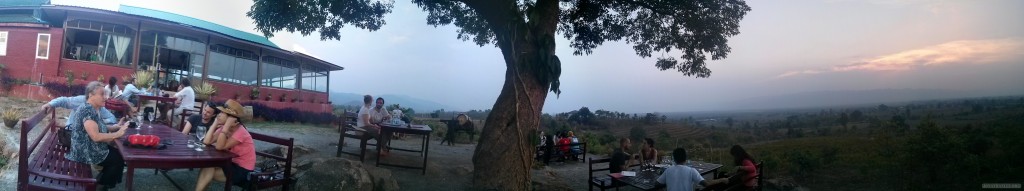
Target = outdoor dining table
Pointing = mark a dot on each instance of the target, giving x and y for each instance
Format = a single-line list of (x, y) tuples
[(167, 102), (647, 178), (388, 129), (177, 155)]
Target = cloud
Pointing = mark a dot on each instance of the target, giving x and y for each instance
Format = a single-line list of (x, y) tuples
[(398, 39), (949, 53)]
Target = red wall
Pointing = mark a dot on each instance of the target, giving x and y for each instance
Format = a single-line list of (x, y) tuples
[(95, 70), (227, 91), (21, 52)]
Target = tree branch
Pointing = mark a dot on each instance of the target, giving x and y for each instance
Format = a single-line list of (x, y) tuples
[(645, 4)]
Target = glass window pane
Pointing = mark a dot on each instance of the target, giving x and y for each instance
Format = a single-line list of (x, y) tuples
[(221, 67), (43, 46), (197, 65)]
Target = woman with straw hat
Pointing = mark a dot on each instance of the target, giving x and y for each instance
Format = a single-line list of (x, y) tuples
[(229, 134)]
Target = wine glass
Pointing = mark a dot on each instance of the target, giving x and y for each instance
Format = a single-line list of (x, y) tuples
[(138, 123), (200, 133), (151, 116)]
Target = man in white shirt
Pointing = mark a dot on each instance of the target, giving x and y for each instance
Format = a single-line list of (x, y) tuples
[(186, 100), (680, 177)]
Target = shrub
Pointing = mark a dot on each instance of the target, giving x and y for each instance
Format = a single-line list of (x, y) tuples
[(289, 114), (58, 89)]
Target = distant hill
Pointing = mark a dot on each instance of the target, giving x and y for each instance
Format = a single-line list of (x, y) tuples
[(420, 105), (846, 97)]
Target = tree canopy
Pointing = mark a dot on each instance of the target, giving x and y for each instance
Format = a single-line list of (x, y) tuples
[(525, 32)]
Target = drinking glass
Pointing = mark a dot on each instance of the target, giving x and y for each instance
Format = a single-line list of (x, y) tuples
[(191, 143), (151, 117), (138, 124), (199, 138)]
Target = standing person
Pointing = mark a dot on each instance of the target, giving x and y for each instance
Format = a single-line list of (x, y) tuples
[(648, 154), (203, 121), (90, 138), (745, 171), (230, 135), (186, 100), (679, 177), (621, 159)]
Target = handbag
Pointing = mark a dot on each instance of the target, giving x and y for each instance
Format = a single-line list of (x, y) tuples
[(64, 136)]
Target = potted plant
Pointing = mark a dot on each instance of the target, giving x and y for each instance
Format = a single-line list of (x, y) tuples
[(254, 94), (204, 91), (269, 95), (283, 98), (11, 117), (143, 78), (237, 94), (85, 76)]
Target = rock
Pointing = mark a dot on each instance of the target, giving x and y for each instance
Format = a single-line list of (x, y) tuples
[(343, 174), (547, 180), (297, 151)]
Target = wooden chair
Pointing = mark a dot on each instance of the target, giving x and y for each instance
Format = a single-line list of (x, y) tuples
[(603, 181), (452, 131), (267, 177), (759, 176), (347, 128)]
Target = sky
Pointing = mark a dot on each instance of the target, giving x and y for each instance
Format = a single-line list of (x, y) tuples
[(784, 47)]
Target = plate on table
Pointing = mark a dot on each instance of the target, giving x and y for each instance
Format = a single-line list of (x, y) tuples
[(662, 165)]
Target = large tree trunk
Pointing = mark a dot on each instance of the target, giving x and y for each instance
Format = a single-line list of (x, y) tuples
[(504, 155)]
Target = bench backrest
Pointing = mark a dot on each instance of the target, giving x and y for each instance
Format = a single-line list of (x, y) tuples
[(26, 149), (286, 158), (591, 162), (348, 119)]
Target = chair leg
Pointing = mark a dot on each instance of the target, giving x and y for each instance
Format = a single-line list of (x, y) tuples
[(341, 141)]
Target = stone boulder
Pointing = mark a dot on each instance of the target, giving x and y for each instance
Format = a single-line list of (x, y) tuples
[(297, 150), (343, 174)]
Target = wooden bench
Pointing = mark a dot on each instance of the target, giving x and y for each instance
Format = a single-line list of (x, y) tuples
[(551, 151), (347, 129), (42, 166), (286, 181)]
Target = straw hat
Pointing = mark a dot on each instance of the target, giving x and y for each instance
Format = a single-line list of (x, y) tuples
[(235, 109)]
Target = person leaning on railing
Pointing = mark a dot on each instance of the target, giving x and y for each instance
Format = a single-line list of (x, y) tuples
[(229, 134)]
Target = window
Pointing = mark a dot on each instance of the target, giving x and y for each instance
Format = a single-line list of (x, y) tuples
[(98, 42), (178, 56), (43, 46), (314, 78), (232, 65), (3, 43), (278, 72)]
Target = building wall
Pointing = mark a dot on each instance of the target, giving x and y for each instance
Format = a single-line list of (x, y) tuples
[(21, 52), (94, 70)]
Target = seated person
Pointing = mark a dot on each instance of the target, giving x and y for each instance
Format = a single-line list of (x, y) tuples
[(648, 154), (73, 103), (369, 120), (680, 177), (462, 123), (563, 146), (575, 149), (202, 121), (186, 100), (621, 159), (230, 135), (745, 171), (91, 138)]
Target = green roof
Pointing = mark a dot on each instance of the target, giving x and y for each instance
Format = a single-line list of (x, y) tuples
[(197, 23), (20, 18), (17, 3)]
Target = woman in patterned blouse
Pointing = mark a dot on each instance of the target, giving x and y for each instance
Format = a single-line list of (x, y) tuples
[(90, 138)]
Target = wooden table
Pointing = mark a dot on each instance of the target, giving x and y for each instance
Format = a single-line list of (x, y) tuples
[(177, 155), (388, 129), (167, 101), (648, 180)]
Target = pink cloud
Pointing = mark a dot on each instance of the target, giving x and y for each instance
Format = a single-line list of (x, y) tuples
[(949, 53)]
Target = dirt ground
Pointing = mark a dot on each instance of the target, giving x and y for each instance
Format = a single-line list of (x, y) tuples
[(449, 167)]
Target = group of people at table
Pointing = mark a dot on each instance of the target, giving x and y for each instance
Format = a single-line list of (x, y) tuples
[(92, 129), (679, 176)]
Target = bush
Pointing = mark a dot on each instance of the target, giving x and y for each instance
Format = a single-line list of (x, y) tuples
[(289, 114), (64, 90)]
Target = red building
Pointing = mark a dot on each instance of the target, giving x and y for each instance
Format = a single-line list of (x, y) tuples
[(44, 43)]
